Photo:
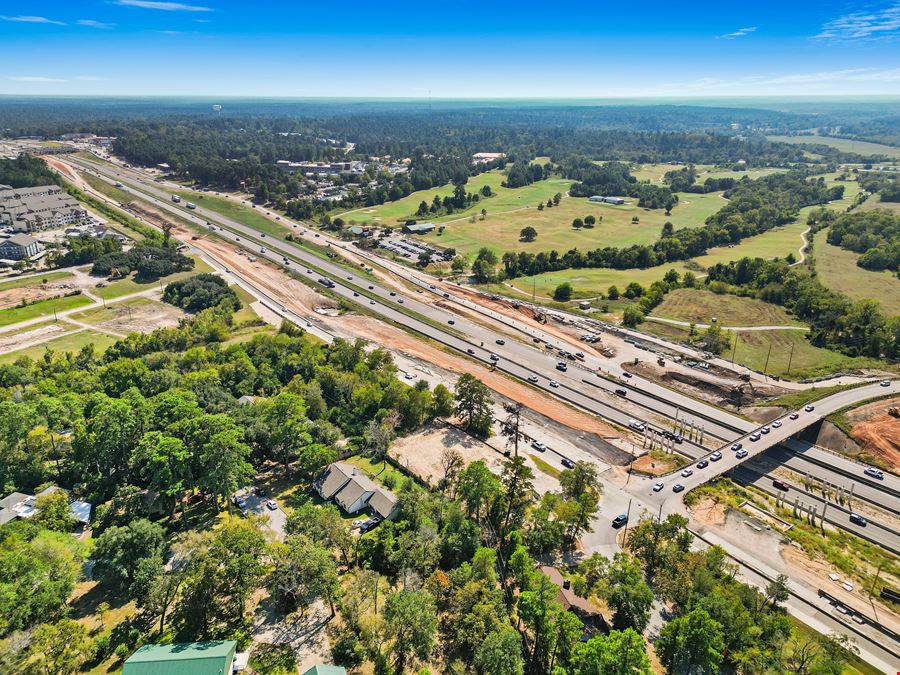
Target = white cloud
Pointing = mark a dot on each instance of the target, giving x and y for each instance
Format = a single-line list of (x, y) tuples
[(749, 82), (32, 19), (164, 6), (740, 32), (875, 24), (34, 78), (91, 23)]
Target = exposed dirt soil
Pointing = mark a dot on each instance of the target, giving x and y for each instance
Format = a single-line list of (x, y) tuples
[(653, 466), (878, 432), (52, 289), (708, 511), (140, 318), (14, 342), (421, 452)]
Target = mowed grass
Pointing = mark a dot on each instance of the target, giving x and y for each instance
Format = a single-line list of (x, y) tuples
[(232, 208), (393, 213), (97, 316), (500, 230), (111, 191), (696, 305), (34, 281), (874, 202), (837, 269), (842, 144), (14, 315), (753, 346), (245, 313), (590, 282), (66, 343), (116, 289), (776, 243)]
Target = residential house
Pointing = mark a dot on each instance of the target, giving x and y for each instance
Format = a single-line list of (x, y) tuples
[(214, 657), (353, 491), (572, 602), (326, 670), (19, 505)]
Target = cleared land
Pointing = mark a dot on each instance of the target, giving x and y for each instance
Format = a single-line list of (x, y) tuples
[(614, 227), (842, 144), (874, 202), (838, 270), (42, 308), (699, 306), (67, 343), (116, 289), (131, 315)]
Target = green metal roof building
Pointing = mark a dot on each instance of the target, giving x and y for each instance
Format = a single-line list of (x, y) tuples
[(183, 658), (326, 670)]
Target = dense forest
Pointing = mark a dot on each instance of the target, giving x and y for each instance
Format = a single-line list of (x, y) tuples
[(27, 171), (874, 234)]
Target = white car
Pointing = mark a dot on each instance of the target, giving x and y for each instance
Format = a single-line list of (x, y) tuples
[(754, 436), (554, 384), (885, 383), (874, 473), (776, 424), (358, 522), (740, 454), (658, 487), (687, 472), (810, 408), (271, 505)]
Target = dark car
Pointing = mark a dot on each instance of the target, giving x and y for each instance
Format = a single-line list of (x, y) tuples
[(501, 342), (260, 492), (451, 321), (781, 485), (619, 520), (568, 463), (369, 524), (702, 464), (621, 392), (678, 487), (857, 519)]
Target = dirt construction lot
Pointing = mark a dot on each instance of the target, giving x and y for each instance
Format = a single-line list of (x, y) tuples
[(877, 431), (32, 292), (140, 315)]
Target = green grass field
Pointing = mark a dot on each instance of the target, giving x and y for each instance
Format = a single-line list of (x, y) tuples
[(245, 313), (874, 202), (42, 308), (32, 281), (231, 208), (65, 343), (842, 144), (699, 306), (116, 289), (105, 188), (103, 314), (838, 270)]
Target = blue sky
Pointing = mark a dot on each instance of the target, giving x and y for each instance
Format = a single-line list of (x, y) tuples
[(449, 49)]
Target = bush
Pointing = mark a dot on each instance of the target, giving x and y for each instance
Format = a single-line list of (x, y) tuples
[(200, 292), (563, 292)]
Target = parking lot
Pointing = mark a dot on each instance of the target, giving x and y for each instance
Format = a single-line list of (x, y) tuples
[(410, 248), (256, 504)]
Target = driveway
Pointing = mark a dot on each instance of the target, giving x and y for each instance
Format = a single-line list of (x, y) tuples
[(275, 520)]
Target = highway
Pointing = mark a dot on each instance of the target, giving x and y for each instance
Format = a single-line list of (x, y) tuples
[(580, 385)]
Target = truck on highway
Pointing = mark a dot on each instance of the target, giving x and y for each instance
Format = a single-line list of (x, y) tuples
[(637, 426), (191, 205), (176, 198)]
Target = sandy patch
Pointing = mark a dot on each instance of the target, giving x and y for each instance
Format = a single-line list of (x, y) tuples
[(38, 291), (421, 452), (877, 431), (11, 343), (145, 317), (709, 511)]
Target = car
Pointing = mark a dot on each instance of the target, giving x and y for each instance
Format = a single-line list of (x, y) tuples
[(494, 357), (349, 278), (678, 487), (451, 321), (755, 436), (371, 288), (240, 502), (393, 294), (621, 392), (533, 379), (371, 302), (369, 524), (781, 485), (540, 447), (715, 457), (626, 374), (355, 294), (619, 520), (809, 408), (554, 384), (470, 350), (794, 416), (410, 376), (687, 472), (885, 383), (195, 498), (358, 522), (702, 464), (874, 473), (400, 300), (271, 505), (740, 454), (764, 430), (776, 424), (857, 519), (536, 339), (737, 446), (658, 486), (263, 236), (500, 342), (568, 463)]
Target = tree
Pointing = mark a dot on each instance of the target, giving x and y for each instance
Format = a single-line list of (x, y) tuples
[(410, 626), (442, 402), (119, 552), (563, 292), (164, 462), (528, 234), (632, 316), (578, 223), (619, 653), (478, 487), (716, 339), (693, 642), (612, 293), (239, 547), (581, 478), (777, 590), (628, 594), (500, 653), (60, 648), (590, 220), (835, 652), (540, 206), (518, 489), (304, 571), (54, 512), (557, 198), (473, 405), (484, 269), (288, 427)]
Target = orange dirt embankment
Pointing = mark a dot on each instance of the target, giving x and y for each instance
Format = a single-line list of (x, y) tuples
[(303, 300), (880, 436)]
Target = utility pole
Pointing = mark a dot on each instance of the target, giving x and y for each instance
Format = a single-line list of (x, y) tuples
[(625, 533), (790, 358), (734, 349), (766, 367)]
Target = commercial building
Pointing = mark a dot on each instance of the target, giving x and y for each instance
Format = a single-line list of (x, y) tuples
[(215, 657), (419, 228), (19, 247), (38, 208), (353, 491), (606, 200)]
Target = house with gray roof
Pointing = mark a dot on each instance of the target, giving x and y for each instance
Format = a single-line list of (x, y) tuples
[(353, 491), (19, 247)]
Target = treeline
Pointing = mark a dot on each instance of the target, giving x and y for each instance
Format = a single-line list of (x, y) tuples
[(84, 249), (201, 291), (685, 180), (887, 186), (614, 179), (27, 171), (754, 207), (857, 328), (522, 172), (874, 234), (150, 262)]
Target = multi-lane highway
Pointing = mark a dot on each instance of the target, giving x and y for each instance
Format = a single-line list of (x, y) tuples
[(581, 383)]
